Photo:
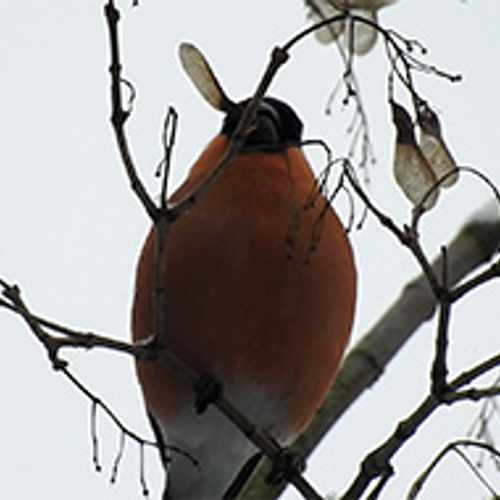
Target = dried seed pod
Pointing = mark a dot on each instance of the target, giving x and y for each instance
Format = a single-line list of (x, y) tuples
[(197, 68), (362, 37), (434, 148), (319, 11), (411, 170)]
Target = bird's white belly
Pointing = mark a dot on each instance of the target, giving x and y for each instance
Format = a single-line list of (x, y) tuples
[(218, 446)]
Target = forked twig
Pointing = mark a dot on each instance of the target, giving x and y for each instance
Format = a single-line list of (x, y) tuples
[(119, 115), (377, 462), (455, 447)]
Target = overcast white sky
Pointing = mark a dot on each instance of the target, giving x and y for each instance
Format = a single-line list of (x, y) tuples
[(70, 230)]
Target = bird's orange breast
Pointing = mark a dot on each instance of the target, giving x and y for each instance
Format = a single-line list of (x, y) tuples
[(242, 302)]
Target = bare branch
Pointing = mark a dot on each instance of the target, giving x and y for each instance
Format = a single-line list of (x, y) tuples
[(377, 462), (119, 115), (488, 274), (474, 245), (169, 136), (474, 394), (406, 236), (439, 367), (68, 338), (454, 446), (125, 432), (468, 376)]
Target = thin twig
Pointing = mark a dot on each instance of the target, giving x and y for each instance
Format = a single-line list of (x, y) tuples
[(405, 236), (75, 339), (475, 372), (169, 136), (378, 461), (119, 115), (488, 274), (237, 139), (454, 447)]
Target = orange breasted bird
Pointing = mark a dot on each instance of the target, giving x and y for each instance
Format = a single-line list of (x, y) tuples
[(246, 298)]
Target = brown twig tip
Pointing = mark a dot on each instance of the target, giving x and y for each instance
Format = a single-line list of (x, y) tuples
[(118, 458)]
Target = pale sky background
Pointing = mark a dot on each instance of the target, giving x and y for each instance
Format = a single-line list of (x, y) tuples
[(70, 229)]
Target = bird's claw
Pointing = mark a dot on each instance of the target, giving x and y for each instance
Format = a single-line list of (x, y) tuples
[(208, 390), (285, 465)]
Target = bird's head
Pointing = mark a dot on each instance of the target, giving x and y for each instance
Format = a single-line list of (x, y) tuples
[(275, 125)]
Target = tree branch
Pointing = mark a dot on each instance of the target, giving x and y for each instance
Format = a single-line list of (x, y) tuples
[(454, 446), (119, 115), (475, 244), (377, 462)]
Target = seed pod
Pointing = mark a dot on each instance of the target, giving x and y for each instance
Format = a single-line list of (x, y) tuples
[(197, 68), (410, 168), (434, 148)]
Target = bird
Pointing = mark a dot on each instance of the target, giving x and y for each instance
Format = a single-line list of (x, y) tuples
[(259, 285)]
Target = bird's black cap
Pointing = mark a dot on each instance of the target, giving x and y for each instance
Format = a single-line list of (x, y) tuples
[(276, 126)]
